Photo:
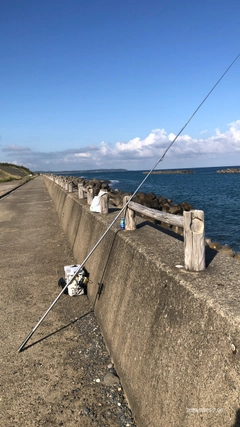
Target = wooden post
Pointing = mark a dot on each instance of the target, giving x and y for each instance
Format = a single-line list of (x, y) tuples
[(89, 195), (130, 223), (194, 240), (104, 203), (177, 230), (80, 191)]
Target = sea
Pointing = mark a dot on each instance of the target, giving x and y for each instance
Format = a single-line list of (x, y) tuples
[(217, 194)]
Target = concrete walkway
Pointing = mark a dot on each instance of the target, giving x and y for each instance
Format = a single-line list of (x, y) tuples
[(7, 187), (58, 380)]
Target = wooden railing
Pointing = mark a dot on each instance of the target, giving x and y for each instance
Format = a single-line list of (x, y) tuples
[(192, 222)]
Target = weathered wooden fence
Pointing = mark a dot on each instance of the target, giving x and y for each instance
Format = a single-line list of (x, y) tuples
[(192, 222)]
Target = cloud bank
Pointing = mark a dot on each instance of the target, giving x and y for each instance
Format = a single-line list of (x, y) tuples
[(135, 154)]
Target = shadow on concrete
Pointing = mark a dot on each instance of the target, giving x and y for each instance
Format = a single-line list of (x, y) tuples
[(111, 210), (209, 253), (164, 230), (237, 420), (101, 283), (59, 330)]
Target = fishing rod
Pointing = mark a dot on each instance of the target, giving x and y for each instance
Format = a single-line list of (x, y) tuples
[(124, 207)]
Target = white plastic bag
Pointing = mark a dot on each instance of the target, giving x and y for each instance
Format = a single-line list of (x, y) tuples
[(95, 205)]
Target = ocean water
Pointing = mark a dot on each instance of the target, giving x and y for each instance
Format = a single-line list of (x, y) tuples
[(216, 194)]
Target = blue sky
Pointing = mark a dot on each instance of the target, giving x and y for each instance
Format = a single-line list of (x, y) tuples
[(108, 84)]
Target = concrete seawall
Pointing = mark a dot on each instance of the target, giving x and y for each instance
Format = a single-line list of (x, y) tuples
[(174, 336)]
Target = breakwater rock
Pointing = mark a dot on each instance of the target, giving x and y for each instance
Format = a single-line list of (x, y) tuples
[(149, 200), (229, 170), (152, 201)]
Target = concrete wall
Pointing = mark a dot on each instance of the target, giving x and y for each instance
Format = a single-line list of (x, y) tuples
[(174, 336)]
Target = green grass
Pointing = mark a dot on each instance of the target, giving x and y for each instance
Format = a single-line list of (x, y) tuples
[(11, 172)]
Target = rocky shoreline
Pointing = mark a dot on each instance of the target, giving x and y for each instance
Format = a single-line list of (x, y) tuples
[(150, 200)]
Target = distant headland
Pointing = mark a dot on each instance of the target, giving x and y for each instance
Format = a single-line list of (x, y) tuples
[(86, 171), (173, 171)]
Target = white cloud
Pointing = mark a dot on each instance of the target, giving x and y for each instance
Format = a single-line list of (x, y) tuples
[(103, 148), (137, 153), (142, 146), (15, 149), (82, 155), (228, 142)]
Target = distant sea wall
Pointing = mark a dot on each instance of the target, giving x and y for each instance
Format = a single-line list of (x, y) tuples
[(173, 336)]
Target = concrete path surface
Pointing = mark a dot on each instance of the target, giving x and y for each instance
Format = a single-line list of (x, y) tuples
[(7, 187), (60, 377)]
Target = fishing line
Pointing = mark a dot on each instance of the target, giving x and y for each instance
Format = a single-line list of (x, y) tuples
[(124, 207)]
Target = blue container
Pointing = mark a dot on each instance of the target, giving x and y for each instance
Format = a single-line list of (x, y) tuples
[(122, 223)]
